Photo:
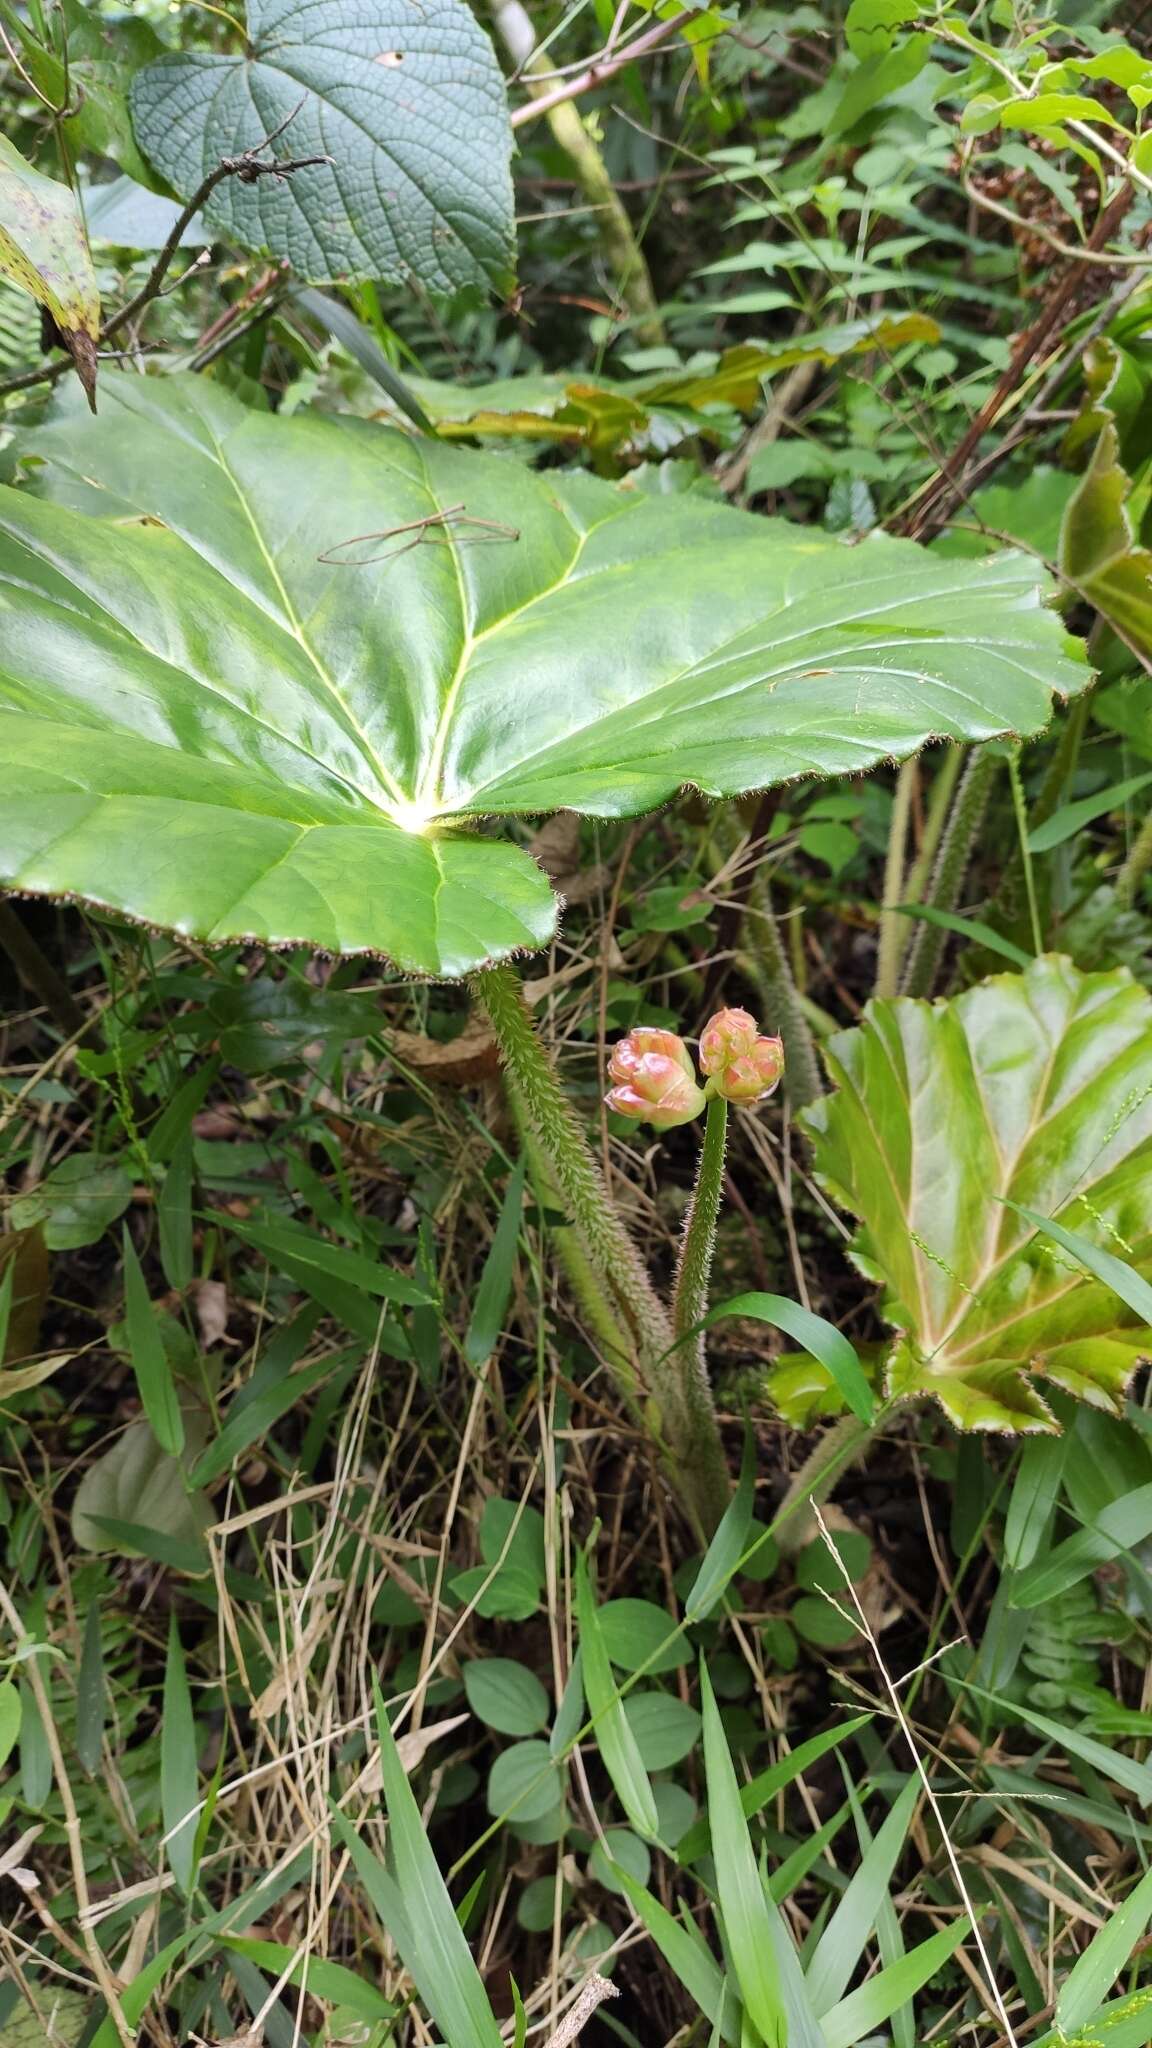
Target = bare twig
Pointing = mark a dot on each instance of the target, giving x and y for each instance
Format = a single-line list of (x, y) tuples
[(596, 1990), (248, 167), (950, 485), (603, 68)]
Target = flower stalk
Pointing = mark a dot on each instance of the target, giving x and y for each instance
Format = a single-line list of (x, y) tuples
[(656, 1358)]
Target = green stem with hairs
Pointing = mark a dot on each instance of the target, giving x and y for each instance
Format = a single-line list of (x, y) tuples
[(696, 1418), (694, 1272), (939, 804), (1137, 864), (570, 1159), (590, 1296), (1062, 766), (781, 1000), (677, 1404), (794, 1524), (951, 867)]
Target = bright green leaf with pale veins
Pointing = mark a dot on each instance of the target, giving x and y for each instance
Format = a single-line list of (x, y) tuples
[(1032, 1089), (229, 714)]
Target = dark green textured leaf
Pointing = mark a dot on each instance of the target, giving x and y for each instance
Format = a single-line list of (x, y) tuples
[(210, 728), (408, 102), (951, 1122)]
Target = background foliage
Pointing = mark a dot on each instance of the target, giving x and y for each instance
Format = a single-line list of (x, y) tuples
[(360, 1680)]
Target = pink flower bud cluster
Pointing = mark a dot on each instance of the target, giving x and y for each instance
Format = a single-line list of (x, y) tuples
[(740, 1064), (655, 1080)]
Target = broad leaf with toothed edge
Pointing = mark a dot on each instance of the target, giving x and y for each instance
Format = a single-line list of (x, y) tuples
[(1032, 1089), (227, 716)]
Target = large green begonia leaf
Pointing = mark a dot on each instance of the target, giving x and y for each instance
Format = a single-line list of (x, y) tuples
[(408, 102), (1033, 1088), (225, 714)]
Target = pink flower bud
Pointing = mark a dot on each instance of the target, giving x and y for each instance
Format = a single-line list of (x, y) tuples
[(655, 1079), (741, 1065), (727, 1036), (642, 1043)]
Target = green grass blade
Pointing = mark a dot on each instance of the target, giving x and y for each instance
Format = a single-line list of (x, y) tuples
[(1035, 1490), (794, 1869), (1109, 1951), (9, 1719), (495, 1286), (687, 1958), (1122, 2023), (149, 1359), (91, 1692), (1070, 818), (342, 324), (1111, 1763), (864, 2011), (723, 1556), (744, 1905), (331, 1981), (174, 1216), (972, 928), (614, 1738), (428, 1936), (842, 1944), (253, 1419), (304, 1248), (755, 1795), (179, 1785), (1119, 1527), (823, 1340)]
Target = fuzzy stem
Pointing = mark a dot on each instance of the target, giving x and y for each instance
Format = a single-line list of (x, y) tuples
[(591, 1297), (782, 1003), (893, 926), (679, 1414), (840, 1446), (951, 868), (569, 1158), (1137, 864), (690, 1301), (695, 1412), (1062, 766), (946, 778)]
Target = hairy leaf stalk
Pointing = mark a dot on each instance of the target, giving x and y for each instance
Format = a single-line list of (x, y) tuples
[(840, 1446), (690, 1306), (782, 1000), (680, 1412), (951, 868), (1137, 864)]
